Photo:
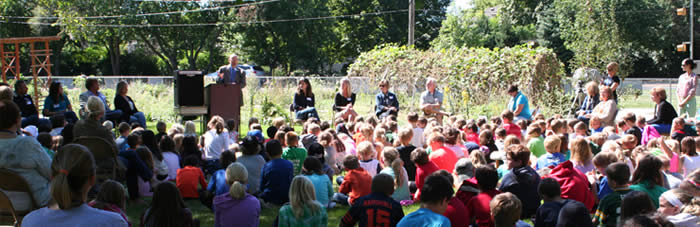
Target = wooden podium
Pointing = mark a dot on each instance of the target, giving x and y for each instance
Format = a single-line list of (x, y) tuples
[(224, 100)]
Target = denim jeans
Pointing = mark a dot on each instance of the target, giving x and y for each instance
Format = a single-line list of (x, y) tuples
[(36, 121), (307, 113), (70, 117), (211, 166), (139, 118), (113, 115), (662, 128), (340, 198)]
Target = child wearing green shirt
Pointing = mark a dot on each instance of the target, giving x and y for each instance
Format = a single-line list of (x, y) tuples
[(294, 154)]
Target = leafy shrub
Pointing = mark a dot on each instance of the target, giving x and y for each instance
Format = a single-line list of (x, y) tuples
[(469, 77)]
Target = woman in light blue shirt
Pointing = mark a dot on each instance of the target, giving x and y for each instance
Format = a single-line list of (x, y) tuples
[(518, 104)]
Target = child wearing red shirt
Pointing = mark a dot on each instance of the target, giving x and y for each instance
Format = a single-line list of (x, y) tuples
[(478, 210), (188, 177), (442, 156), (455, 208), (509, 126), (424, 167), (470, 133), (356, 183)]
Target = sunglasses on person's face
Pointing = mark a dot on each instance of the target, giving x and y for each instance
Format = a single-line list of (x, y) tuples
[(382, 85)]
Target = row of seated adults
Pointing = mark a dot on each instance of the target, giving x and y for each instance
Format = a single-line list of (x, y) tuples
[(58, 104), (304, 101), (599, 103), (125, 110)]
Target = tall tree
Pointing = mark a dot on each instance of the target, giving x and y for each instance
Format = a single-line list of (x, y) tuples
[(360, 34), (74, 21), (171, 42), (296, 39)]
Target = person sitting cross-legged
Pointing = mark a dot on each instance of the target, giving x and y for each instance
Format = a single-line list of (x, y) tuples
[(72, 176), (521, 180), (377, 208), (276, 175), (506, 209), (57, 103), (303, 209), (236, 207)]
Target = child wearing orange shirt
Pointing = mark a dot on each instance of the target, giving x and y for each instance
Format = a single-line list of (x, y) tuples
[(188, 177), (356, 182)]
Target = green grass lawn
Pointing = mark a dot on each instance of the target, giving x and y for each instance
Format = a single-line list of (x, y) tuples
[(267, 216)]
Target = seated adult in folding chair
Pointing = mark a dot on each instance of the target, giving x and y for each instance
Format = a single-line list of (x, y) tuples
[(344, 101), (431, 101), (24, 156), (386, 102), (304, 101), (93, 89), (30, 115)]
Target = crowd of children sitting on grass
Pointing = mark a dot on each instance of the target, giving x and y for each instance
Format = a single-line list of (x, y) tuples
[(465, 172)]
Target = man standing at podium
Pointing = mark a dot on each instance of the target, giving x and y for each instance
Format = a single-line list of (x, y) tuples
[(231, 74)]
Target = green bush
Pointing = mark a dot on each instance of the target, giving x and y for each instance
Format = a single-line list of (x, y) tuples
[(469, 77)]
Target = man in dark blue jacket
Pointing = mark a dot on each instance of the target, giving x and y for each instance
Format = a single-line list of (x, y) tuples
[(30, 116)]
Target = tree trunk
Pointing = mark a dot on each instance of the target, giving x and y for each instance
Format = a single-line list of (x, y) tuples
[(114, 54), (56, 57)]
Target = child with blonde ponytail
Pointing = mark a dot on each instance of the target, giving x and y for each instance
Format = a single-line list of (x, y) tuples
[(394, 167), (72, 176), (236, 208)]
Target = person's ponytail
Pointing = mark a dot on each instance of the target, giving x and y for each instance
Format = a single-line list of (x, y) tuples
[(71, 169), (397, 166), (237, 177), (391, 157), (237, 190)]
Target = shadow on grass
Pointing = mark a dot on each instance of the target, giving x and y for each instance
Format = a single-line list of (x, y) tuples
[(267, 216)]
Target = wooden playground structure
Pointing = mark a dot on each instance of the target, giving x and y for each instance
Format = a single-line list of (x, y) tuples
[(39, 52)]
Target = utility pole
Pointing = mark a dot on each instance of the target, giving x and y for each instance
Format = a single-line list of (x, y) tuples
[(692, 22), (412, 21)]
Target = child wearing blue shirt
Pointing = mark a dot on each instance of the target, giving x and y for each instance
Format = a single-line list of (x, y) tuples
[(313, 170), (553, 157), (276, 176)]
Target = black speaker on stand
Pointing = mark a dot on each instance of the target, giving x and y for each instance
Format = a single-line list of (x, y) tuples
[(189, 94), (189, 88)]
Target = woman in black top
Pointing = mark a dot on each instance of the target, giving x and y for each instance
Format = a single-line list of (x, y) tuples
[(344, 100), (304, 101), (664, 113), (124, 103)]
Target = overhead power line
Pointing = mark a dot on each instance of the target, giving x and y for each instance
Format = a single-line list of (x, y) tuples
[(149, 14), (216, 23)]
